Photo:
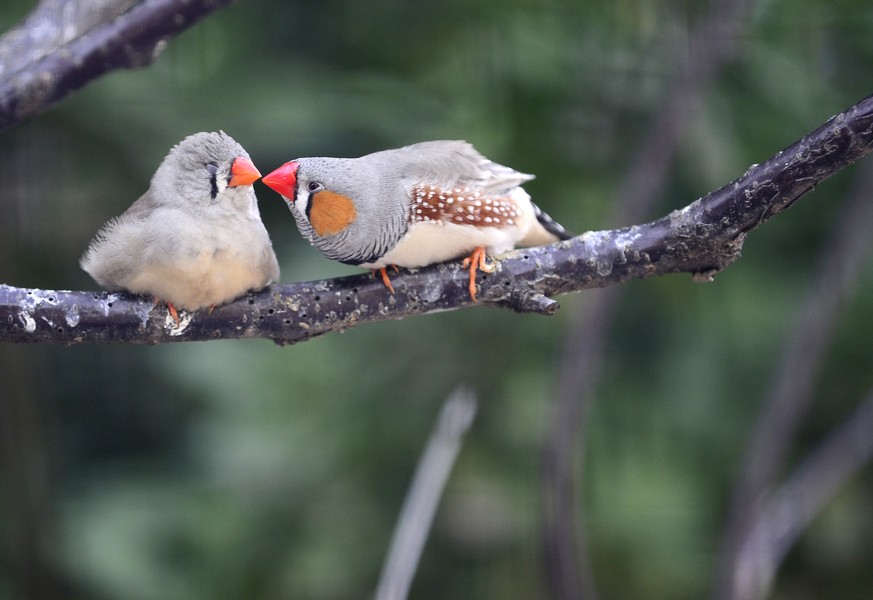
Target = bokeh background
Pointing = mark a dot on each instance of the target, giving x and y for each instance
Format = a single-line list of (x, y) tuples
[(239, 469)]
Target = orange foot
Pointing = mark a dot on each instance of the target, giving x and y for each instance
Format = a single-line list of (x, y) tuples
[(385, 279), (476, 261), (170, 309)]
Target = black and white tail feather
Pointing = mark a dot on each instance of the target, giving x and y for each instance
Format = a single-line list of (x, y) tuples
[(550, 225)]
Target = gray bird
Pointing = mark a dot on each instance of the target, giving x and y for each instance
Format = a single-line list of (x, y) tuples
[(413, 206), (195, 239)]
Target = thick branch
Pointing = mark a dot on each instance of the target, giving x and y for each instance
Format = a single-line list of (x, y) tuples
[(702, 239), (61, 46)]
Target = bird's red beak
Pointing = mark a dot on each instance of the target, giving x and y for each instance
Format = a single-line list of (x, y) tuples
[(283, 179), (243, 172)]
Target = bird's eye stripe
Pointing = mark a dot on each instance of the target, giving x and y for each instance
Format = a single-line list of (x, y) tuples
[(312, 187), (213, 171)]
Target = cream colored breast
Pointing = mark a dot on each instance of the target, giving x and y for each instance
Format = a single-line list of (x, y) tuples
[(207, 267), (441, 233)]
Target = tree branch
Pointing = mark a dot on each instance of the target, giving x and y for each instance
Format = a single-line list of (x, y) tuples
[(702, 239), (61, 46)]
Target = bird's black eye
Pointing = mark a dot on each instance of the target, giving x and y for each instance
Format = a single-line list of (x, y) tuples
[(314, 186)]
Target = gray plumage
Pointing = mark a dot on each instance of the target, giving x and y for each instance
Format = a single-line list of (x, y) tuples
[(387, 229), (191, 240)]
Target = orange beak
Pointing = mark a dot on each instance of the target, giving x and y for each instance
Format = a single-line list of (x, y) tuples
[(243, 171), (283, 179)]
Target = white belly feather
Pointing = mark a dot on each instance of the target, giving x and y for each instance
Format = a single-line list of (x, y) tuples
[(429, 242)]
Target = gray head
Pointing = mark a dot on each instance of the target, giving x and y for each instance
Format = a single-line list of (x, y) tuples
[(351, 209), (206, 170)]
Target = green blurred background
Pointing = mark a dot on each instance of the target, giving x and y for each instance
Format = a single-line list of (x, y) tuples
[(239, 469)]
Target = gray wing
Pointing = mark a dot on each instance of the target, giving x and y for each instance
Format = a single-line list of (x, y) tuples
[(455, 163), (116, 252)]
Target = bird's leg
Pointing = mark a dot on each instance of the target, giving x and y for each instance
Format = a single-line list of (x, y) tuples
[(170, 309), (476, 261), (385, 279)]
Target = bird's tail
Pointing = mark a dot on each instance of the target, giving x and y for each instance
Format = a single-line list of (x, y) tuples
[(550, 225)]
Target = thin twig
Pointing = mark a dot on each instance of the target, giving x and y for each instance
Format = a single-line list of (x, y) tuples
[(791, 391), (424, 493), (788, 513), (714, 42)]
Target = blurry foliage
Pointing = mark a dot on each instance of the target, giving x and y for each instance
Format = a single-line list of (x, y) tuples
[(245, 470)]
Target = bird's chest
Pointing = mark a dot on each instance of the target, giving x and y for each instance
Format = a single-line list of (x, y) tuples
[(204, 270), (426, 243), (222, 258)]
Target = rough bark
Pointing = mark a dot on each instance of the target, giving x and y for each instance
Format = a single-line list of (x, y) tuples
[(701, 239)]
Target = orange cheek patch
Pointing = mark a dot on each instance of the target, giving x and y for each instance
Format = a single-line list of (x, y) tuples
[(330, 212)]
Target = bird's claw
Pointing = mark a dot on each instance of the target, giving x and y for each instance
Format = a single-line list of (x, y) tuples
[(476, 262)]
